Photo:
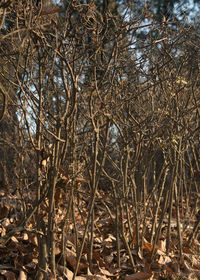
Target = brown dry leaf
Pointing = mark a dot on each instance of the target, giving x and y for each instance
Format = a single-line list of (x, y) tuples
[(9, 275), (164, 259), (5, 222), (49, 10), (147, 248), (110, 238), (57, 250), (25, 236), (187, 250), (2, 231), (32, 238), (68, 273), (162, 244), (32, 264), (98, 258), (14, 239), (139, 276), (173, 265), (96, 277), (22, 275), (70, 242), (71, 258), (105, 272), (65, 271)]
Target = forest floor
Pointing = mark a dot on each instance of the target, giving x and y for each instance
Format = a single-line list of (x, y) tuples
[(19, 257)]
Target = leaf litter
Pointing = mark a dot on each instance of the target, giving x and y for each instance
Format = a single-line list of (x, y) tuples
[(19, 258)]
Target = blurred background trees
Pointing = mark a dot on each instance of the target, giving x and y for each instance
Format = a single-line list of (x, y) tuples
[(104, 93)]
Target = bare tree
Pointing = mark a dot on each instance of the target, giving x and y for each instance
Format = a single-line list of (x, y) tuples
[(105, 116)]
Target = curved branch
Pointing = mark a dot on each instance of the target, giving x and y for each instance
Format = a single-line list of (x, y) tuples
[(4, 102)]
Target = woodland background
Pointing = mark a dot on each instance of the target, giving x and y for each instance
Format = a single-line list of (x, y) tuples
[(99, 139)]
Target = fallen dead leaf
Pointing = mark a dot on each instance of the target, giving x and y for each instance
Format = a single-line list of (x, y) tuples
[(71, 258), (65, 271), (32, 264), (105, 272), (96, 277), (22, 275), (9, 275), (68, 273), (187, 250), (164, 259), (25, 236), (32, 238), (147, 248), (139, 276), (162, 244), (14, 239)]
